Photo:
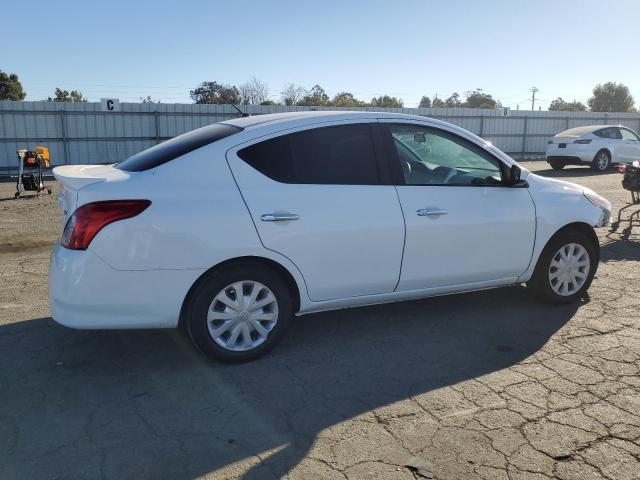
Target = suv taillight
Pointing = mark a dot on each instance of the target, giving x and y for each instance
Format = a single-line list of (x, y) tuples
[(90, 218), (584, 141)]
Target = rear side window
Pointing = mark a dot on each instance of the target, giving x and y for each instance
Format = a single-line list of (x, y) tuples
[(166, 151), (610, 132), (338, 155)]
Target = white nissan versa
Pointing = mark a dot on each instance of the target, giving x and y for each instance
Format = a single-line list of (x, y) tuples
[(232, 229)]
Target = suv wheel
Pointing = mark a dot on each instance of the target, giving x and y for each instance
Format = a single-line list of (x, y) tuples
[(601, 161), (239, 313), (565, 268), (556, 165)]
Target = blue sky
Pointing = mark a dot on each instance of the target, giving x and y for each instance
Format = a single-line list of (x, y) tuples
[(406, 48)]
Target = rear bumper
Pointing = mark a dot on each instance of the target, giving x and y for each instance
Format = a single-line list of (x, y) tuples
[(86, 293), (572, 154), (568, 159)]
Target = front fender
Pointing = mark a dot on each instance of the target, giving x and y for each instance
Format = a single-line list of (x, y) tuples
[(558, 205)]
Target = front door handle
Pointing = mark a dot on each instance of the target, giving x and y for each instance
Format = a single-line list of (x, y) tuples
[(431, 212), (279, 217)]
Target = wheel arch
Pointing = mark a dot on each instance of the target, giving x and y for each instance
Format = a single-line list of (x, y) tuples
[(604, 149), (581, 227), (280, 269)]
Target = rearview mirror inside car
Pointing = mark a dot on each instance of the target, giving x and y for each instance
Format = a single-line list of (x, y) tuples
[(419, 137)]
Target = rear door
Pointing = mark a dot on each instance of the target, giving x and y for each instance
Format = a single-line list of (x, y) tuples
[(316, 197), (629, 146)]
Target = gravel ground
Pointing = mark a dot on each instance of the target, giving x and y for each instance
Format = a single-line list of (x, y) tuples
[(486, 385)]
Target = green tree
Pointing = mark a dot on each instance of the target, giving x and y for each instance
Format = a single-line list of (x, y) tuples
[(387, 101), (315, 97), (611, 97), (559, 105), (346, 99), (425, 102), (66, 96), (269, 102), (438, 103), (10, 87), (214, 92), (453, 101), (478, 99)]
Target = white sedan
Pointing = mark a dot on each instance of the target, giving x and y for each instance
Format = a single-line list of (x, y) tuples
[(598, 146), (233, 229)]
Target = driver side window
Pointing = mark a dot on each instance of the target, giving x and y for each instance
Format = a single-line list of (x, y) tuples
[(433, 157)]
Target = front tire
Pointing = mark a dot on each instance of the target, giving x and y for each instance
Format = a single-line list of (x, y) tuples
[(601, 161), (565, 269), (239, 313)]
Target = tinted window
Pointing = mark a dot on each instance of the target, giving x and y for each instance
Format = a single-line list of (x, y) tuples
[(610, 132), (434, 157), (177, 146), (628, 135), (271, 158), (340, 155)]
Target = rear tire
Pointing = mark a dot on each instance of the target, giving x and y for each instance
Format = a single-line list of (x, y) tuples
[(601, 161), (235, 327), (569, 256), (557, 165)]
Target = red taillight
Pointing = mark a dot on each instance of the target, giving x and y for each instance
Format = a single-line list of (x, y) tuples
[(90, 218), (583, 141)]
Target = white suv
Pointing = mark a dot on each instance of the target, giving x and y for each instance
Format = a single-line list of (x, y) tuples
[(596, 145), (232, 229)]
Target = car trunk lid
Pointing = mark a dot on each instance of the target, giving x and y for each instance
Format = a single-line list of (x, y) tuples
[(73, 178)]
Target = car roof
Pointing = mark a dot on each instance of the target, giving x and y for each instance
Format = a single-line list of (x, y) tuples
[(577, 131), (322, 115)]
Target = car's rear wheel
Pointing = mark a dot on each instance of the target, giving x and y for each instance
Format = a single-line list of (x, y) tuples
[(565, 268), (556, 165), (239, 313), (601, 161)]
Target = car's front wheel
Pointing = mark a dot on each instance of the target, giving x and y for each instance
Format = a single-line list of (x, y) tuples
[(601, 161), (239, 313), (565, 268)]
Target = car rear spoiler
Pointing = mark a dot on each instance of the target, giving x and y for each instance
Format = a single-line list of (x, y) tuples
[(75, 177)]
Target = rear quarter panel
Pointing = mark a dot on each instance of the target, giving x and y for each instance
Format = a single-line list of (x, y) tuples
[(196, 219)]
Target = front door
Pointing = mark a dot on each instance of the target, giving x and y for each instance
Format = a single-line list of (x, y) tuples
[(315, 197), (464, 226), (629, 146)]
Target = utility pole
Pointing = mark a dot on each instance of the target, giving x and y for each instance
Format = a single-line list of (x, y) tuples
[(533, 91)]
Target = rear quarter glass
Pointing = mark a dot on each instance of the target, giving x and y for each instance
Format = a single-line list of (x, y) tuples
[(171, 149)]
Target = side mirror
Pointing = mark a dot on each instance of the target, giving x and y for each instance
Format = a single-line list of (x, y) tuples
[(514, 175), (513, 178)]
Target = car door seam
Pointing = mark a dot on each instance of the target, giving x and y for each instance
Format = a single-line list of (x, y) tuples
[(404, 239), (535, 234)]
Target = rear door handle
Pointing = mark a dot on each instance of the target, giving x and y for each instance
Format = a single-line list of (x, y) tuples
[(279, 217), (431, 212)]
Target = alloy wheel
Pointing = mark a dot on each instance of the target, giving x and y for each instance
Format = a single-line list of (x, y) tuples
[(603, 160)]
